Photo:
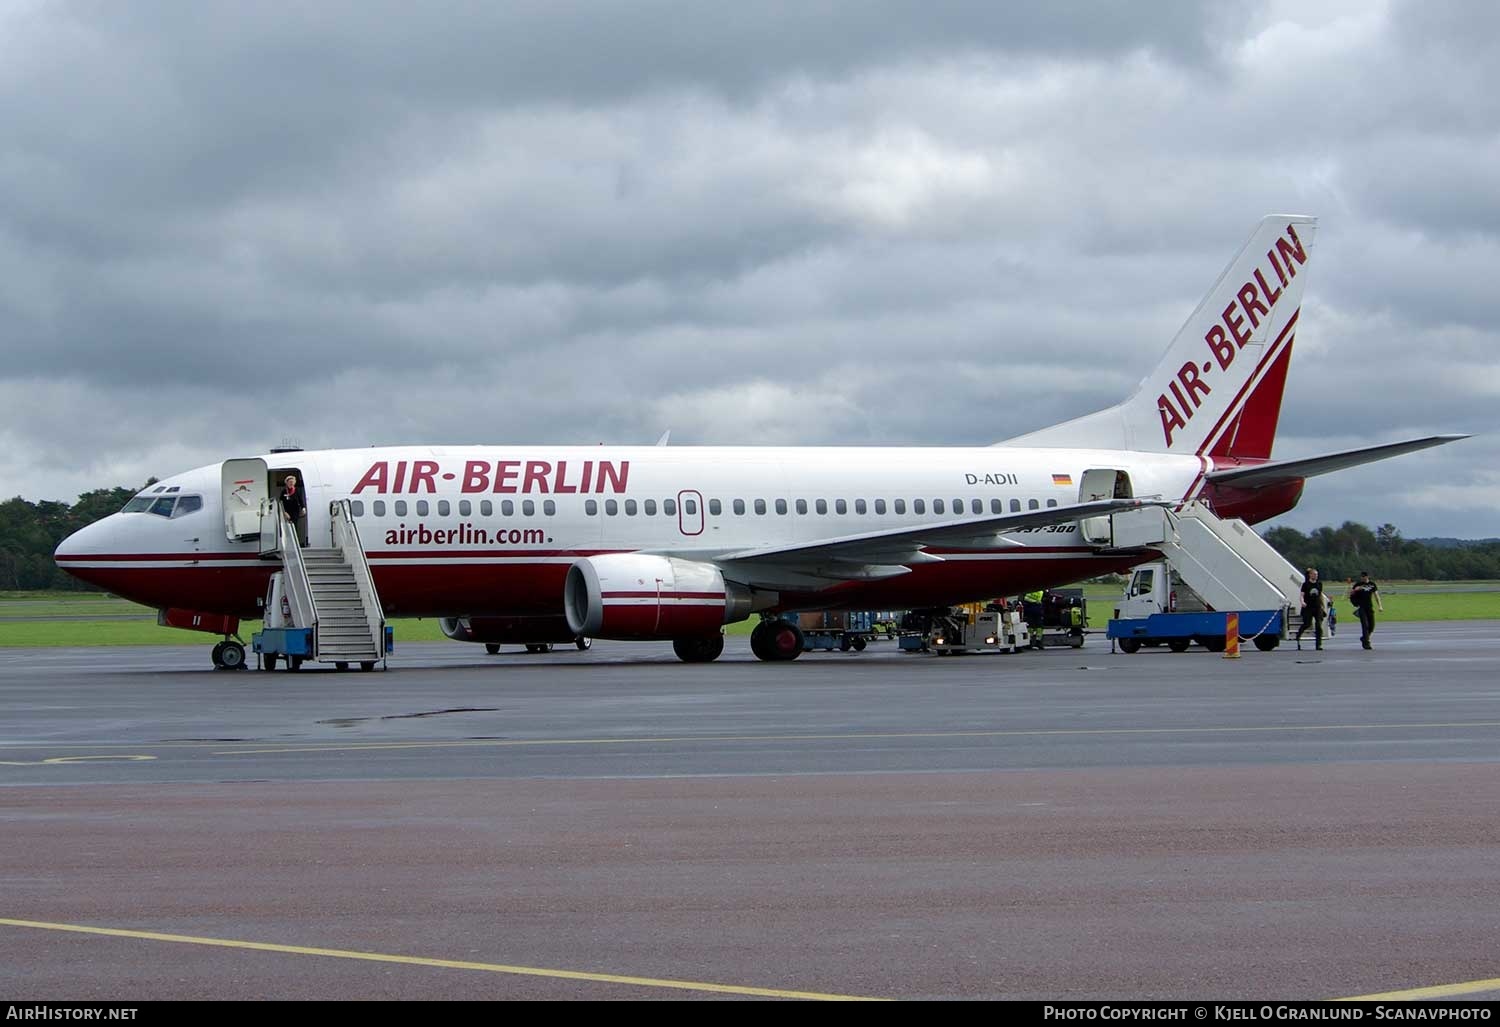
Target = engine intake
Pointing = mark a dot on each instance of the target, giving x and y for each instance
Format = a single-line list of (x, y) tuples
[(635, 596)]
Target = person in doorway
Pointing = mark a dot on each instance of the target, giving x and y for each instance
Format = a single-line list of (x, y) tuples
[(1313, 608), (294, 506), (1364, 596)]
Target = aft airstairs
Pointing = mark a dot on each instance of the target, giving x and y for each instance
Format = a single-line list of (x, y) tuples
[(322, 605), (1224, 561)]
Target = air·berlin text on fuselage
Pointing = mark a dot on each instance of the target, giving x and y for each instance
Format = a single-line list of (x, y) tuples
[(497, 477), (1229, 335)]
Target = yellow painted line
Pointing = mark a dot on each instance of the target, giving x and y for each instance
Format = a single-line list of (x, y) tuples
[(447, 964), (873, 736), (1436, 991)]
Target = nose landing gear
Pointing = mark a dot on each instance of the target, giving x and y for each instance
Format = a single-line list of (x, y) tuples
[(229, 655)]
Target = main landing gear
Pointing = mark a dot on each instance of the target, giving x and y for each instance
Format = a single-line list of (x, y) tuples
[(229, 655), (776, 640)]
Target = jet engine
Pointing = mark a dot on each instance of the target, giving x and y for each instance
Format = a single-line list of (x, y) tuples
[(636, 596)]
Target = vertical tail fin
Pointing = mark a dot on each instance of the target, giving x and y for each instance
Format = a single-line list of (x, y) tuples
[(1217, 392)]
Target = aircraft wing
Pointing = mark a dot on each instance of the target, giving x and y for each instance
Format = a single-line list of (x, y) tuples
[(1278, 471), (881, 554)]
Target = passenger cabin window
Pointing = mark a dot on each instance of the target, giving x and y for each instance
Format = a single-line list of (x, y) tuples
[(760, 506), (528, 507), (859, 506), (379, 507), (422, 508), (937, 506), (443, 508), (821, 506), (507, 508), (400, 507), (781, 506), (591, 507), (880, 507), (486, 508), (918, 507), (357, 507), (690, 507), (840, 507), (1015, 506), (465, 508), (958, 506), (714, 507), (1032, 504), (650, 507), (802, 506), (549, 508), (611, 507), (996, 506), (669, 507), (739, 507), (900, 506), (1051, 502), (630, 508)]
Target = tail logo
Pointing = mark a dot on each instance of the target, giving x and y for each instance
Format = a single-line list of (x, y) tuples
[(1252, 303)]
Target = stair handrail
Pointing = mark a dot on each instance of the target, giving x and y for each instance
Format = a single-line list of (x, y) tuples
[(346, 541), (294, 573)]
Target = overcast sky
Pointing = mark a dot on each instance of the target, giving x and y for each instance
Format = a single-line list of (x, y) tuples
[(223, 225)]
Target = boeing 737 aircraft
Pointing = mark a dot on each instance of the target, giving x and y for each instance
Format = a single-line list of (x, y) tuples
[(538, 543)]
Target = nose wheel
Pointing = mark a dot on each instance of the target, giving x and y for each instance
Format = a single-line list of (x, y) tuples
[(229, 655)]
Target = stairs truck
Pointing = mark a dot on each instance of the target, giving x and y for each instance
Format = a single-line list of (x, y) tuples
[(1210, 568)]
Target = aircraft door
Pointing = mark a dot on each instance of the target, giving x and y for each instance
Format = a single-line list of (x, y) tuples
[(690, 512), (243, 495), (1101, 483)]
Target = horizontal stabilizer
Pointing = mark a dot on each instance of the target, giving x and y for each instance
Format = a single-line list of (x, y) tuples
[(1279, 471)]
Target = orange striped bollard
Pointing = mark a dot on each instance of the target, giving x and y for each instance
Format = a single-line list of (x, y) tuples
[(1231, 636)]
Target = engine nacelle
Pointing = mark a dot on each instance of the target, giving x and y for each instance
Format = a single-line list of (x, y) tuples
[(635, 596)]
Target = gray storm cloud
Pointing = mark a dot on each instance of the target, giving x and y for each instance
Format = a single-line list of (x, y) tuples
[(223, 224)]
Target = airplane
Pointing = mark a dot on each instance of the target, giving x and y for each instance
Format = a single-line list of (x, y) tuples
[(543, 544)]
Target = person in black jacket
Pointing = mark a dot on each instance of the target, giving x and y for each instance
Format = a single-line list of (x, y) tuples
[(1312, 608), (294, 506), (1364, 596)]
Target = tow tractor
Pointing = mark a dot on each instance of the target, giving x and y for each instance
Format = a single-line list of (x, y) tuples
[(973, 627), (1159, 608)]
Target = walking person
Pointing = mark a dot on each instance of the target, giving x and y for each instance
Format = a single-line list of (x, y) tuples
[(1333, 618), (1364, 596), (1312, 608)]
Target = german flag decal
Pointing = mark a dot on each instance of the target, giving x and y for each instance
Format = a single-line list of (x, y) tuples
[(1062, 479)]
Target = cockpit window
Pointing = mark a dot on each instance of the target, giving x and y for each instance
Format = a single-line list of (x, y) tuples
[(164, 506)]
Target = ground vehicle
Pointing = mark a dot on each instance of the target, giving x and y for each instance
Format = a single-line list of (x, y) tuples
[(1057, 618), (1158, 608), (844, 630)]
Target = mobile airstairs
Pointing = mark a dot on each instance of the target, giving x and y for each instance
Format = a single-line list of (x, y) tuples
[(322, 604), (1229, 566)]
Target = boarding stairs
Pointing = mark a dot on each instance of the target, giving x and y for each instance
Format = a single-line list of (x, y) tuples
[(329, 590), (1224, 561)]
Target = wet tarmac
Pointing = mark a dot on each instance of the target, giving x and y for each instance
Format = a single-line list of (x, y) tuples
[(618, 825)]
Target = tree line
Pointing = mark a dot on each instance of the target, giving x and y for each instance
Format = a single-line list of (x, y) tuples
[(29, 532)]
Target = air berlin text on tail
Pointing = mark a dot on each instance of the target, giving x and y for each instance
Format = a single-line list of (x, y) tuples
[(1230, 333), (498, 477)]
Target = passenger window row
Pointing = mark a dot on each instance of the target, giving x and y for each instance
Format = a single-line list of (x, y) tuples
[(648, 507)]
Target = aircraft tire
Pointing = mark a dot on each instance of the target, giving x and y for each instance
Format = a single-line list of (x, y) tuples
[(218, 655), (698, 650), (784, 641), (231, 656)]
